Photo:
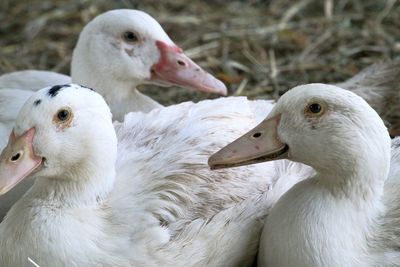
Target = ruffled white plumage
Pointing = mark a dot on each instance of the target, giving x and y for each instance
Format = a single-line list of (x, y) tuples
[(166, 206)]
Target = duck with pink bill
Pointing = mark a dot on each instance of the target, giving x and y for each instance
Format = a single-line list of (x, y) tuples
[(116, 52), (137, 193), (346, 213)]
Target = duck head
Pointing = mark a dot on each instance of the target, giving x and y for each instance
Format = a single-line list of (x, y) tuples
[(129, 46), (59, 130), (323, 126)]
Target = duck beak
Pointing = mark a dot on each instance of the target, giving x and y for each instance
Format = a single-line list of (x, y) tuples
[(17, 160), (175, 68), (258, 145)]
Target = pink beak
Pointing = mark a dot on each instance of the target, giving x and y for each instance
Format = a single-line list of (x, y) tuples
[(175, 68), (258, 145), (17, 160)]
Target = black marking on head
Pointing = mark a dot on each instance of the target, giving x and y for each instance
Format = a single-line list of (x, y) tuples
[(91, 89), (55, 89), (37, 102)]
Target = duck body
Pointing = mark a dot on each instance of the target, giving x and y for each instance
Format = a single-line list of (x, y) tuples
[(147, 202), (118, 51), (179, 119), (195, 129), (106, 59), (321, 212), (134, 100), (363, 232), (82, 236), (62, 236), (347, 212)]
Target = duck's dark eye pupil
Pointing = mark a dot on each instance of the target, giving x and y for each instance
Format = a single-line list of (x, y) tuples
[(15, 157), (130, 36), (63, 115), (315, 108)]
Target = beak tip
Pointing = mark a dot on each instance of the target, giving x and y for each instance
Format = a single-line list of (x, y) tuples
[(213, 162), (210, 162), (222, 90)]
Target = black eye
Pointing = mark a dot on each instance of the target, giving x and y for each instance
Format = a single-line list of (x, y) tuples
[(63, 115), (315, 108), (130, 37), (16, 157)]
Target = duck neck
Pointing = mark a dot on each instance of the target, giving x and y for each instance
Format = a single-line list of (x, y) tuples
[(127, 99), (85, 181), (338, 207), (88, 187), (361, 180), (121, 95)]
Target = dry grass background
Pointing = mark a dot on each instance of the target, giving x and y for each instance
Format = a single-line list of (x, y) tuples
[(258, 48)]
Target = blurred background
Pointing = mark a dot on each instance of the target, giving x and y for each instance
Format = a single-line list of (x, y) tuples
[(258, 48)]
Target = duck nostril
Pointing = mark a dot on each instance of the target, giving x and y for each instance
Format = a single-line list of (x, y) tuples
[(180, 62), (16, 157), (256, 135)]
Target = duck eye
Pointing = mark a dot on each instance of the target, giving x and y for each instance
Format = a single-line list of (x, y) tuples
[(63, 115), (315, 108), (130, 37)]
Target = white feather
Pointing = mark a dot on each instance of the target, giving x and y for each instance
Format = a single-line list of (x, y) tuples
[(347, 213), (164, 206)]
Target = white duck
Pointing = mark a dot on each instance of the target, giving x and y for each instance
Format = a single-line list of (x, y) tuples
[(117, 51), (126, 48), (378, 78), (99, 48), (154, 202), (345, 214)]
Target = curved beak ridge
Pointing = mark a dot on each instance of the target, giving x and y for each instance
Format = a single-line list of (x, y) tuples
[(175, 68), (17, 160), (258, 145)]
